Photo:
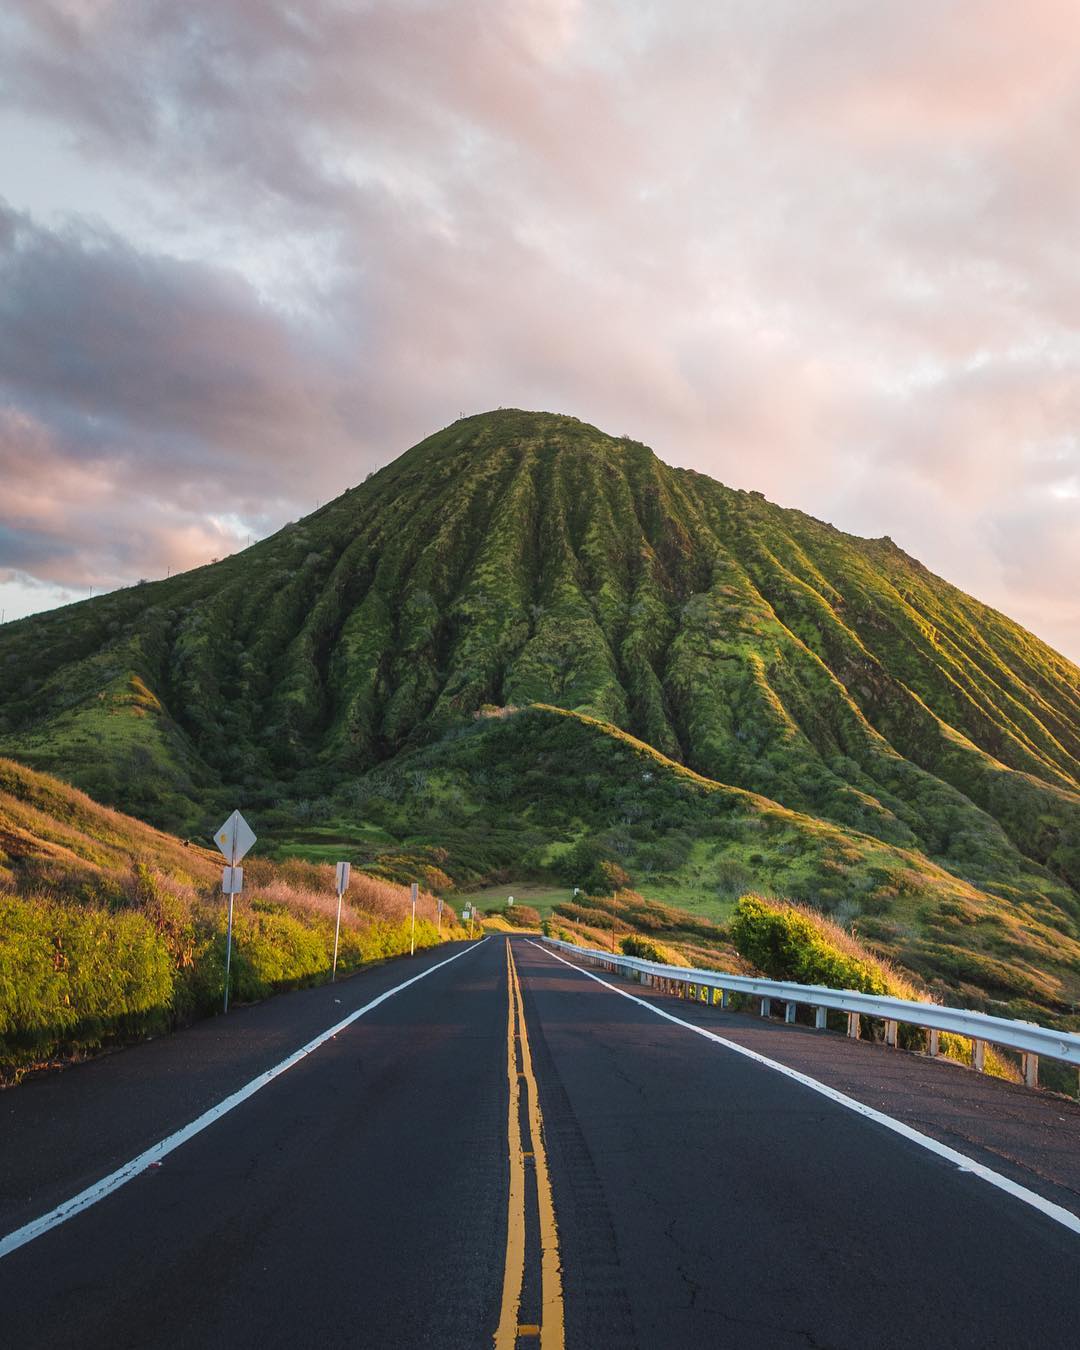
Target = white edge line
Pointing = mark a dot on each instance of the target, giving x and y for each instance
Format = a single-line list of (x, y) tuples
[(1060, 1215), (107, 1185)]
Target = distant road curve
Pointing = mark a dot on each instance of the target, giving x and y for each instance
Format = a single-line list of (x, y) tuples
[(660, 1189)]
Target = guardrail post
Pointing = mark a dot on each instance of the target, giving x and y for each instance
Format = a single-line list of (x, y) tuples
[(789, 1012), (821, 1018), (766, 1007), (853, 1029), (725, 998), (891, 1032), (934, 1047), (978, 1055), (1030, 1065)]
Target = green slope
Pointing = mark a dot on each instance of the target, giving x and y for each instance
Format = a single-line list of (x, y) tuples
[(553, 791), (519, 558)]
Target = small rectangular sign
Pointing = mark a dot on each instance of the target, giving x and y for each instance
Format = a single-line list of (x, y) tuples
[(343, 870), (440, 906), (232, 880)]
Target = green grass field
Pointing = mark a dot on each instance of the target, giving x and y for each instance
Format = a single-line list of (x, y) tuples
[(539, 895)]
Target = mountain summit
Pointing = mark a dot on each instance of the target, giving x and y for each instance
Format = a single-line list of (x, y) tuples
[(517, 559)]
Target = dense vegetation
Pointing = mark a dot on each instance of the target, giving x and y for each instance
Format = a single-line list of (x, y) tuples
[(760, 702), (110, 930)]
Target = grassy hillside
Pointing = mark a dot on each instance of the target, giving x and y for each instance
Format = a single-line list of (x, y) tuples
[(112, 930), (914, 755), (558, 792)]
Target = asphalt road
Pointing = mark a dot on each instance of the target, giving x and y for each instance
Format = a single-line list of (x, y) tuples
[(368, 1196)]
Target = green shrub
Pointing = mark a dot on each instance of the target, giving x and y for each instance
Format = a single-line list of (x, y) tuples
[(784, 943), (274, 950), (73, 976), (645, 949)]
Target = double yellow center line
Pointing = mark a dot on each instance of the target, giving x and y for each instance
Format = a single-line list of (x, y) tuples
[(520, 1072)]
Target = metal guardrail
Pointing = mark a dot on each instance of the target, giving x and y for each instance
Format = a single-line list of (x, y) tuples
[(982, 1029)]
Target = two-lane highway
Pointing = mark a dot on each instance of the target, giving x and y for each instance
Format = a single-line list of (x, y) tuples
[(504, 1148)]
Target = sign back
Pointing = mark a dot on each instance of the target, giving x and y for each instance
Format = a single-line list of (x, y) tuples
[(234, 838)]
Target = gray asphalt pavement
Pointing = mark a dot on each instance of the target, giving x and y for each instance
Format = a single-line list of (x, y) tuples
[(361, 1198)]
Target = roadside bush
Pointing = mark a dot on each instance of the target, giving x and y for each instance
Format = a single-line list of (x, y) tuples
[(272, 951), (76, 975), (645, 949), (521, 916), (786, 943)]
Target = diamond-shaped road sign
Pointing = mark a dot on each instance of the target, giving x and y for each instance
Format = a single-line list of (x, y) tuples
[(234, 838)]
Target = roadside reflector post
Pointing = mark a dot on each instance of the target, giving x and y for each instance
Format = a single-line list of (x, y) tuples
[(935, 1042), (1030, 1065), (766, 1007), (234, 838), (821, 1018), (438, 906), (789, 1012), (341, 881), (853, 1029), (414, 889), (978, 1055), (892, 1032)]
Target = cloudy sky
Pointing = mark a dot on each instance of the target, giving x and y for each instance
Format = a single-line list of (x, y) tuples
[(828, 249)]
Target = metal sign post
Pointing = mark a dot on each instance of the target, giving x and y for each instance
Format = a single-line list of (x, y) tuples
[(412, 947), (342, 882), (234, 838)]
